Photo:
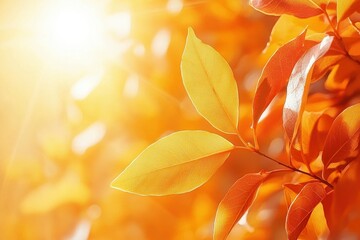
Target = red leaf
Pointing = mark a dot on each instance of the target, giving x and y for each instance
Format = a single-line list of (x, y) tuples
[(298, 87), (343, 137), (297, 8), (276, 74), (236, 202), (301, 208)]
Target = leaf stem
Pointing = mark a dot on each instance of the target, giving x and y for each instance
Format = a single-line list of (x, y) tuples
[(289, 167), (242, 140), (332, 25), (248, 146)]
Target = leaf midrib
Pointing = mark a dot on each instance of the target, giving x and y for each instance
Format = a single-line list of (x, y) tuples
[(179, 164), (212, 85)]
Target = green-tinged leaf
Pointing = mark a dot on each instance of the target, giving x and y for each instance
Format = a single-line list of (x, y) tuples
[(236, 202), (343, 138), (210, 84), (177, 163), (298, 87), (301, 208), (276, 74), (345, 8), (297, 8)]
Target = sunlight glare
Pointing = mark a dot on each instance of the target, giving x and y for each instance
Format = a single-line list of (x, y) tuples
[(72, 30), (161, 42), (120, 23), (175, 6), (89, 137)]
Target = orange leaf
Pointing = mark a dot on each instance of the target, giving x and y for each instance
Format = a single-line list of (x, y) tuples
[(343, 137), (345, 8), (343, 72), (298, 87), (301, 208), (310, 148), (276, 74), (297, 8), (345, 208), (236, 202)]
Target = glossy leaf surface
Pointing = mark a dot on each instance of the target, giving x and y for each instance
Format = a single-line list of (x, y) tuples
[(298, 87), (276, 74)]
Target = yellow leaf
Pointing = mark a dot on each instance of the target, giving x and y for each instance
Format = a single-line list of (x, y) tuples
[(177, 163), (210, 84), (346, 8)]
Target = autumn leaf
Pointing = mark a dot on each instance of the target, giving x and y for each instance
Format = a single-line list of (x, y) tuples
[(297, 8), (345, 207), (210, 84), (301, 208), (288, 27), (345, 8), (298, 87), (276, 74), (236, 202), (177, 163), (342, 73), (343, 137), (316, 226), (308, 130)]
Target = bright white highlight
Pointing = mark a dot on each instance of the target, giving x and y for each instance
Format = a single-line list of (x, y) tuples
[(276, 146), (88, 138), (82, 231), (161, 42), (131, 87), (120, 23), (71, 29), (82, 88), (175, 6), (243, 222)]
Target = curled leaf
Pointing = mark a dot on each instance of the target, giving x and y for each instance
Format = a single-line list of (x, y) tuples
[(301, 208), (177, 163), (276, 74), (298, 87), (236, 202), (210, 84)]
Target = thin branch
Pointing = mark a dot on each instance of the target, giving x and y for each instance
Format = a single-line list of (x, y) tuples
[(287, 166)]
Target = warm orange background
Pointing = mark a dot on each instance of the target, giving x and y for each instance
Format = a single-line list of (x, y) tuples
[(85, 86)]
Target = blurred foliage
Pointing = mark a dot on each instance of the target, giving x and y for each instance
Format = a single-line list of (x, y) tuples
[(71, 123)]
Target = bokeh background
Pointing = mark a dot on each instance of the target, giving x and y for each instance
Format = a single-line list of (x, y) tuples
[(86, 85)]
